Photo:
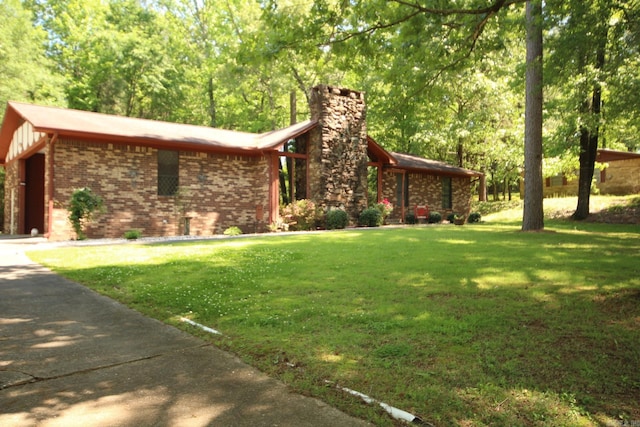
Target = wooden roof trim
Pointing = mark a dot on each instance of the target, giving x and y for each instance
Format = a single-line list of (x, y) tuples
[(607, 155), (85, 125), (378, 153), (417, 164)]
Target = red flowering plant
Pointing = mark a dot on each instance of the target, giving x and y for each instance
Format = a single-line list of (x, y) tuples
[(385, 207)]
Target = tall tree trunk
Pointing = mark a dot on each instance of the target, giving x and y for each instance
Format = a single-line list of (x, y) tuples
[(482, 196), (293, 108), (533, 214), (589, 139), (460, 152), (212, 104)]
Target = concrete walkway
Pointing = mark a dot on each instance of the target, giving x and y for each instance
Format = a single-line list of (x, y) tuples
[(70, 357)]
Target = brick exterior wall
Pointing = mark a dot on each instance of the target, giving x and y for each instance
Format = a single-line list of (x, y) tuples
[(621, 177), (216, 191), (425, 189)]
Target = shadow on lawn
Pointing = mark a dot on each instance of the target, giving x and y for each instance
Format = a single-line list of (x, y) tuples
[(71, 356), (479, 315)]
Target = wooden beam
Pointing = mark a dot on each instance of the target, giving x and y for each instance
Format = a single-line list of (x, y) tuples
[(274, 183)]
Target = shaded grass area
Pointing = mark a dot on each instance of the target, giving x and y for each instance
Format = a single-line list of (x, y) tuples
[(473, 325)]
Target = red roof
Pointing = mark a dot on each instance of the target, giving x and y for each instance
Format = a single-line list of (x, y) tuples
[(127, 130), (419, 164), (606, 155), (117, 129)]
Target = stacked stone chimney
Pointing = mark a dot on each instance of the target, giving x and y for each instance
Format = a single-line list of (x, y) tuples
[(338, 150)]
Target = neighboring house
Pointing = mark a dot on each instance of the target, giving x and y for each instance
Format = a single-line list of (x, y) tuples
[(618, 174), (169, 179)]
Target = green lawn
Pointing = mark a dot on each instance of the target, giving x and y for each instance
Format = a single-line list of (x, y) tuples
[(466, 326)]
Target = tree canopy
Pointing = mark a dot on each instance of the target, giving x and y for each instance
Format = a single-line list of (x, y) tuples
[(444, 79)]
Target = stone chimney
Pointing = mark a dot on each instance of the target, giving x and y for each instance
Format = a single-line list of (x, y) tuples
[(338, 150)]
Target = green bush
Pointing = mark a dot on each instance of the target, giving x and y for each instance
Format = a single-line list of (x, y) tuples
[(385, 207), (232, 231), (451, 217), (337, 219), (474, 217), (410, 218), (132, 234), (300, 215), (486, 208), (83, 206), (434, 217), (370, 217)]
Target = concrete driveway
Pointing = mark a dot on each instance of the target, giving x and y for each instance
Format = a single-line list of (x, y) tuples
[(70, 357)]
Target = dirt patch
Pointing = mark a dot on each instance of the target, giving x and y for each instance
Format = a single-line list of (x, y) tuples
[(623, 212), (617, 215)]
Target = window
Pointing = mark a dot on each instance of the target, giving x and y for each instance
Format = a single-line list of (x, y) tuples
[(168, 172), (446, 193), (556, 181)]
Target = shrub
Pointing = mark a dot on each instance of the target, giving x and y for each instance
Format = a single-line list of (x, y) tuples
[(232, 231), (337, 219), (451, 217), (434, 217), (300, 215), (486, 208), (410, 218), (132, 234), (385, 207), (474, 217), (84, 204), (370, 217)]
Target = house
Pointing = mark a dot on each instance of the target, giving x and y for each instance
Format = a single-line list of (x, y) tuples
[(616, 172), (169, 179)]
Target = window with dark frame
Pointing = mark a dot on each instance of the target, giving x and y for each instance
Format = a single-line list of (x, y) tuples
[(168, 172), (447, 202)]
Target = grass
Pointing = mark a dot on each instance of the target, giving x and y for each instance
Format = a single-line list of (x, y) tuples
[(461, 326)]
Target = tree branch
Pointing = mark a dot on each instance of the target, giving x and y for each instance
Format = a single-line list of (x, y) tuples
[(492, 9), (375, 28)]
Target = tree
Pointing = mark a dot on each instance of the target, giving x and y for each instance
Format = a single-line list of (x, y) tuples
[(591, 48), (533, 214), (400, 35), (25, 71), (118, 57)]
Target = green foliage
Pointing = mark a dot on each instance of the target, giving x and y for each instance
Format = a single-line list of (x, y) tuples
[(486, 208), (132, 234), (82, 208), (385, 207), (232, 231), (434, 217), (410, 218), (26, 72), (370, 217), (451, 217), (300, 215), (474, 217), (337, 219)]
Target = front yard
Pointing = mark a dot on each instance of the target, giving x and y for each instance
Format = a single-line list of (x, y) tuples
[(469, 326)]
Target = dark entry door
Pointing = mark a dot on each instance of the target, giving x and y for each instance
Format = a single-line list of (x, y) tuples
[(34, 197)]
